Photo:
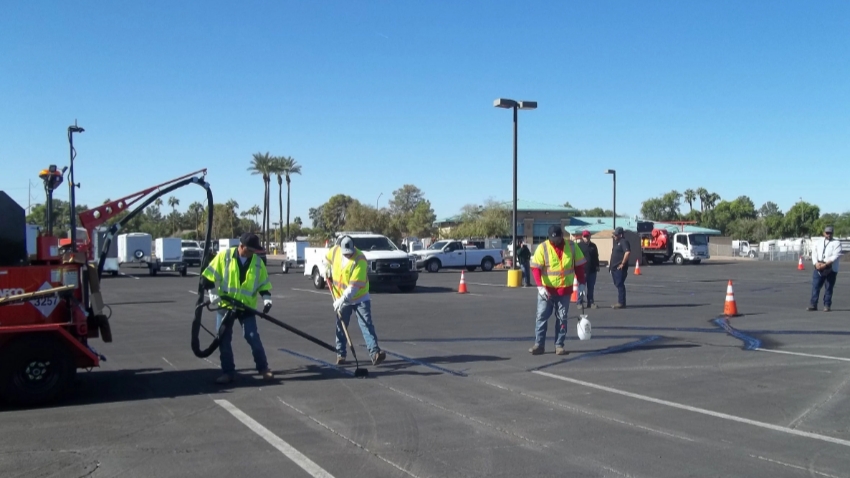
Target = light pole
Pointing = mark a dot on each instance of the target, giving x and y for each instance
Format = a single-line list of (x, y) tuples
[(614, 173), (515, 105), (376, 201)]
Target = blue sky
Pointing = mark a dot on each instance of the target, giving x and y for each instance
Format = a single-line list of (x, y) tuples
[(738, 97)]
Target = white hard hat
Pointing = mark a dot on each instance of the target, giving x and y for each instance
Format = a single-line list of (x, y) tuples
[(346, 245), (583, 328)]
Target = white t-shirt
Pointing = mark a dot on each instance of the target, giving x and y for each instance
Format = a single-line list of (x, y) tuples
[(826, 250)]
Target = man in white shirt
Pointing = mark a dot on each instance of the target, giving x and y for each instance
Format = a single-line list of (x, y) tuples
[(826, 254)]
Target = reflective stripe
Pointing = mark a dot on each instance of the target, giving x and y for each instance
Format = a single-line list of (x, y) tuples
[(536, 265), (216, 276)]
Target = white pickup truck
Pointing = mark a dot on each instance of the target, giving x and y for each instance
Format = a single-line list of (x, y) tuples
[(452, 254), (387, 263)]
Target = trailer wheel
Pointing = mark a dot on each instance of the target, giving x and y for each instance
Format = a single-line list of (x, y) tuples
[(35, 369)]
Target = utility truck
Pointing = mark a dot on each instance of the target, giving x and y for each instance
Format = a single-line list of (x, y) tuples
[(454, 254), (660, 246), (388, 265)]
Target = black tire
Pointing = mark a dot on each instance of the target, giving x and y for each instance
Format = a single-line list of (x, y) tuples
[(433, 265), (678, 260), (183, 272), (487, 264), (696, 261), (407, 287), (285, 267), (35, 369), (318, 280)]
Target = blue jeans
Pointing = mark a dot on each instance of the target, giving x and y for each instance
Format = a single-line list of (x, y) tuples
[(560, 305), (591, 283), (364, 318), (619, 277), (252, 336), (817, 283), (526, 273)]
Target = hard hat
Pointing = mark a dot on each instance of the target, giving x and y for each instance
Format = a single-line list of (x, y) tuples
[(583, 328), (346, 245)]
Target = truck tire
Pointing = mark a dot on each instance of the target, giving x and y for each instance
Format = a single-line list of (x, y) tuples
[(487, 264), (35, 369), (678, 260), (433, 265), (318, 280)]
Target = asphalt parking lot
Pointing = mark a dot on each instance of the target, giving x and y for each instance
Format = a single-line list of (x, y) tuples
[(665, 388)]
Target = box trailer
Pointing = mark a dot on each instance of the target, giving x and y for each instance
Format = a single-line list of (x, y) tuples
[(294, 255), (134, 248), (167, 256)]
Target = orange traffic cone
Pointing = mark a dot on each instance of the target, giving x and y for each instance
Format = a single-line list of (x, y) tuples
[(637, 267), (731, 308), (574, 298), (462, 287), (800, 266)]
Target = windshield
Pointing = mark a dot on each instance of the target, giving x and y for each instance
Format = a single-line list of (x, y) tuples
[(439, 245), (374, 244), (189, 244), (698, 240)]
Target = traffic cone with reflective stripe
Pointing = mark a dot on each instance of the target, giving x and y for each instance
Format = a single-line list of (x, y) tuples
[(462, 287), (574, 298), (731, 308), (637, 267), (800, 266)]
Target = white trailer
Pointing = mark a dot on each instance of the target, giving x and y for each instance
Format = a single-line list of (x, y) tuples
[(134, 248), (294, 255), (167, 256)]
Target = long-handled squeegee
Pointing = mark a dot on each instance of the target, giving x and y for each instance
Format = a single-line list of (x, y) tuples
[(358, 372)]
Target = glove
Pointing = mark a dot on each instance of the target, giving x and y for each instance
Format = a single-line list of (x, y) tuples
[(339, 304), (326, 270), (543, 292), (214, 299), (267, 305)]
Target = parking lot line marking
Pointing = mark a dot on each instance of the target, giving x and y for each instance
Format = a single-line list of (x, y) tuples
[(296, 456), (312, 291), (169, 363), (193, 273), (804, 355), (127, 275), (328, 428), (193, 292), (797, 467), (702, 411)]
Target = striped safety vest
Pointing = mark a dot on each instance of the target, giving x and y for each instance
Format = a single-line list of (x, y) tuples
[(354, 273), (224, 272), (554, 271)]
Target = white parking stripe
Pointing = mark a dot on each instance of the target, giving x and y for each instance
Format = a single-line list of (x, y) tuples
[(296, 456), (312, 291), (128, 275), (703, 411), (805, 355)]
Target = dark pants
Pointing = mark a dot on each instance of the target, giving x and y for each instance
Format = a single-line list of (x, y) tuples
[(526, 273), (619, 277), (818, 282), (591, 283)]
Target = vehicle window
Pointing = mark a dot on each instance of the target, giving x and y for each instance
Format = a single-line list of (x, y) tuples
[(699, 240), (374, 244), (438, 245), (188, 244), (682, 240)]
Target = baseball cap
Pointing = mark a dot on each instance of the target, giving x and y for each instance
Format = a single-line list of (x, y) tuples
[(585, 234), (618, 231), (555, 231), (827, 229), (252, 242)]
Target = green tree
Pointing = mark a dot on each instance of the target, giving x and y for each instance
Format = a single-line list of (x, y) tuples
[(769, 209), (233, 219), (173, 202), (800, 220), (690, 196), (702, 195), (665, 208), (262, 165), (287, 166)]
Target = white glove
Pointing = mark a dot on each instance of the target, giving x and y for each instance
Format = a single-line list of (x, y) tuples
[(214, 299), (326, 270), (339, 303), (543, 292), (267, 304), (582, 290)]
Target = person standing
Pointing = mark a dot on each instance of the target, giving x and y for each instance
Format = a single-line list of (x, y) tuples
[(591, 253), (826, 254), (555, 266), (524, 257), (239, 273), (619, 265), (346, 271)]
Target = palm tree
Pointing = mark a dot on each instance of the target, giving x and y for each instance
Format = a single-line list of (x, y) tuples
[(232, 206), (195, 210), (173, 202), (711, 200), (286, 166), (261, 164), (702, 194), (690, 197)]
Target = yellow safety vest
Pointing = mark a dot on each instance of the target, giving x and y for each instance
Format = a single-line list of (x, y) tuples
[(554, 271), (224, 272), (354, 274)]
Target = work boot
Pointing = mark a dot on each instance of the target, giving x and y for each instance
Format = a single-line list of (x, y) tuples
[(812, 308), (561, 351), (340, 359), (618, 306), (536, 350), (378, 357), (594, 306), (267, 374), (224, 379), (826, 309)]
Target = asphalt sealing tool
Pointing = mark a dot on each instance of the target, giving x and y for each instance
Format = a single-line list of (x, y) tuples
[(233, 314), (358, 372)]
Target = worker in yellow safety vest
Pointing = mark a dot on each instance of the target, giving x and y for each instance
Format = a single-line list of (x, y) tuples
[(240, 274), (555, 266), (346, 272)]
